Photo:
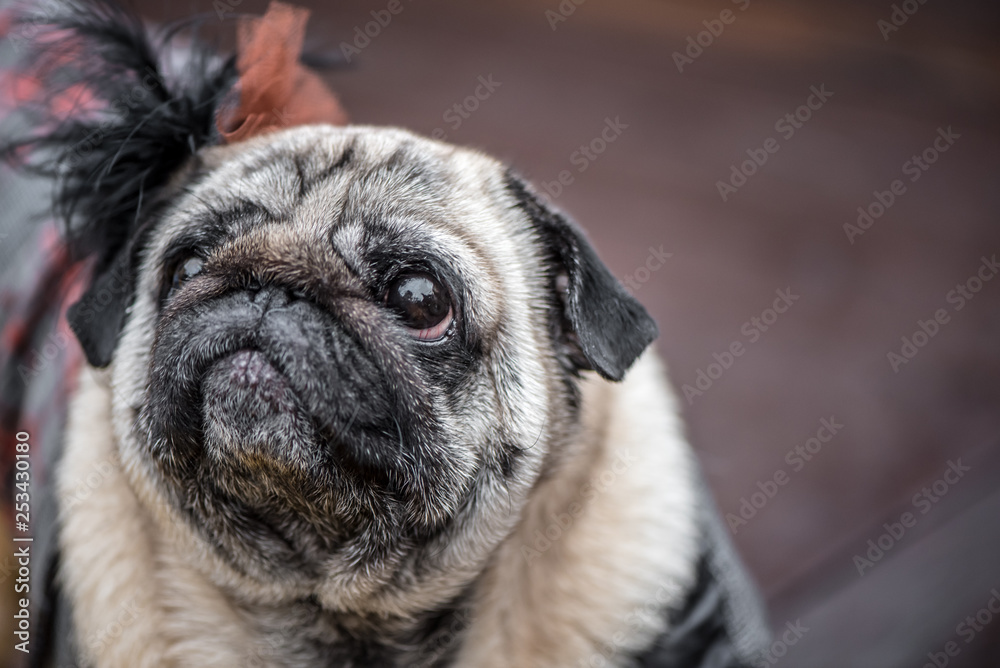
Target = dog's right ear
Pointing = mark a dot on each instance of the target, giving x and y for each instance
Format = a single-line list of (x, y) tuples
[(608, 325), (98, 317)]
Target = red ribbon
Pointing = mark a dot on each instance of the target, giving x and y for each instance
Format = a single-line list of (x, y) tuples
[(275, 90)]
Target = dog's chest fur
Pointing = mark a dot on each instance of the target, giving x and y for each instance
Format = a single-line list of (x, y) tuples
[(608, 536)]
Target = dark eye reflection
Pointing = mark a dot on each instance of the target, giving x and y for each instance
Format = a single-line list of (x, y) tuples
[(189, 268), (422, 304)]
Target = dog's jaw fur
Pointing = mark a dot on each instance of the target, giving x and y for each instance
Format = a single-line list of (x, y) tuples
[(629, 549)]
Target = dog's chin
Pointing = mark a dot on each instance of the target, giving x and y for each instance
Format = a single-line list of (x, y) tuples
[(251, 414)]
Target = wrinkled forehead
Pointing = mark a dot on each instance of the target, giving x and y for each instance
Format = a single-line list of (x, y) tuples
[(372, 197), (330, 180)]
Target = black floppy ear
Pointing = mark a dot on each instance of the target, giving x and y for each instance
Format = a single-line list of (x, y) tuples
[(97, 319), (611, 327)]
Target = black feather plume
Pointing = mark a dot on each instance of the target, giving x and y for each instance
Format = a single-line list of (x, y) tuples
[(116, 117)]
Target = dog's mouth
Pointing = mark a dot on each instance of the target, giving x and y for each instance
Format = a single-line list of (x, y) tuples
[(250, 372), (247, 405)]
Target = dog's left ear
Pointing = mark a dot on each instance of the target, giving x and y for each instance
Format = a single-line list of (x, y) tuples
[(610, 326)]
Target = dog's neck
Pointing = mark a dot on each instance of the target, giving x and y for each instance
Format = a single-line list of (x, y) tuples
[(137, 600), (320, 638), (301, 633)]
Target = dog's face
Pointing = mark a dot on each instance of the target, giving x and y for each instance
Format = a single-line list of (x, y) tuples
[(344, 356)]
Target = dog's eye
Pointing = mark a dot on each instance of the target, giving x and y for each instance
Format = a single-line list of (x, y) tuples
[(422, 303), (184, 270)]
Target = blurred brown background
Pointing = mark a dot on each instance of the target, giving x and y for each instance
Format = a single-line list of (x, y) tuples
[(560, 72)]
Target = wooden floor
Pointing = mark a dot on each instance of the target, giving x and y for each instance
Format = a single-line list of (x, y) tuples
[(849, 295)]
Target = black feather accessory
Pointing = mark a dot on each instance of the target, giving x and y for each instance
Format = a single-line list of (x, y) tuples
[(112, 122), (119, 111)]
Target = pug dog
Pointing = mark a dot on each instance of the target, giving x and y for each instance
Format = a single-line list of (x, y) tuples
[(356, 397)]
